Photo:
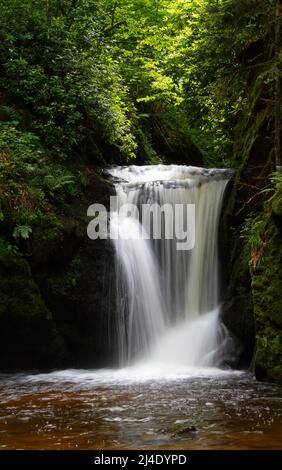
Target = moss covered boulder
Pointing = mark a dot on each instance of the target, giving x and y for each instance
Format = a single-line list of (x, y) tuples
[(267, 299), (28, 335)]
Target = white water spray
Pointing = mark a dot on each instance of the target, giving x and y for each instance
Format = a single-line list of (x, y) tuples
[(168, 299)]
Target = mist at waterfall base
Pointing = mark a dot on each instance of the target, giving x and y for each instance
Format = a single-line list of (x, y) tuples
[(168, 312)]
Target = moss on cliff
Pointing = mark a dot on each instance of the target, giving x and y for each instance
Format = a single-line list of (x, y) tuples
[(262, 245), (28, 335), (54, 291), (268, 357), (252, 307), (267, 297)]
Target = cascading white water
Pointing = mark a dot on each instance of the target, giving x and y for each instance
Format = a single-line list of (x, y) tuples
[(140, 319), (168, 299)]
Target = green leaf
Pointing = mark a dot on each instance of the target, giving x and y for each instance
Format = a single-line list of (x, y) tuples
[(22, 231)]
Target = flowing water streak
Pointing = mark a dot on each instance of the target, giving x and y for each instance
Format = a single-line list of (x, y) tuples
[(168, 299)]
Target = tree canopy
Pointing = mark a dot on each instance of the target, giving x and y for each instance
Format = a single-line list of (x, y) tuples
[(127, 73), (120, 81)]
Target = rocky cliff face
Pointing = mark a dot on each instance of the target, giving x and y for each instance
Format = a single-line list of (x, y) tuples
[(252, 306), (28, 334), (266, 282), (237, 302), (55, 304)]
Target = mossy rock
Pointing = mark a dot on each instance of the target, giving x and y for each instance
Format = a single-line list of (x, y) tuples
[(275, 374), (267, 281), (28, 336), (78, 287), (237, 308), (182, 429), (268, 358), (267, 298)]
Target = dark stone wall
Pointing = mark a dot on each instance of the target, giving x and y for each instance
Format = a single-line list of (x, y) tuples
[(56, 305), (252, 278), (237, 304)]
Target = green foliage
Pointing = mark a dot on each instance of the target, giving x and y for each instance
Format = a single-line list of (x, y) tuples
[(253, 231), (22, 231), (221, 56), (32, 186), (87, 76), (59, 184), (65, 82), (276, 179), (107, 81), (269, 348)]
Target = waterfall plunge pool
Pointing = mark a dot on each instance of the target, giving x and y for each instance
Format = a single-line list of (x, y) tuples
[(141, 407)]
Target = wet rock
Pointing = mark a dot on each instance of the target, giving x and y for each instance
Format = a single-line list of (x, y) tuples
[(182, 429), (29, 338), (56, 302), (80, 289)]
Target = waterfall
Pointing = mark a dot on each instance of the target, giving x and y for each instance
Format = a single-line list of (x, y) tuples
[(168, 298)]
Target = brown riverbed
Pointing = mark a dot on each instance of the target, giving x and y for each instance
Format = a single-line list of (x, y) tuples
[(115, 410)]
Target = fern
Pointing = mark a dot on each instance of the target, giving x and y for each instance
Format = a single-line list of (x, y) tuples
[(22, 231)]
